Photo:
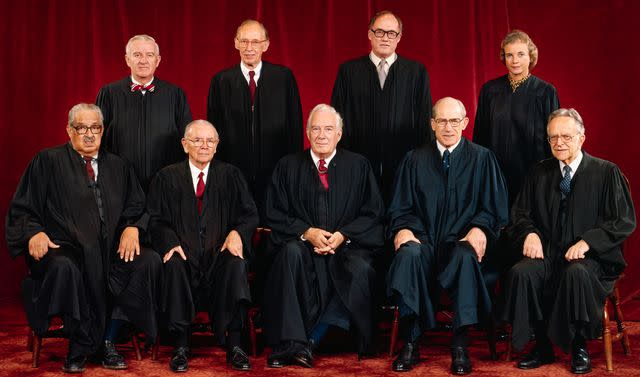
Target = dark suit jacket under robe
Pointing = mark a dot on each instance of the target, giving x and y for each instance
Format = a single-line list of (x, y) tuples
[(353, 207), (383, 124), (598, 210), (55, 196), (255, 139), (175, 220)]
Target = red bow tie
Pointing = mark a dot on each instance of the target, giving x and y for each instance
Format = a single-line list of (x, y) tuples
[(136, 87)]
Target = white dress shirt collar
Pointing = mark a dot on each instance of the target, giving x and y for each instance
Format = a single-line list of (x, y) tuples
[(573, 165), (390, 60), (316, 159), (442, 148), (134, 81), (245, 72), (195, 172)]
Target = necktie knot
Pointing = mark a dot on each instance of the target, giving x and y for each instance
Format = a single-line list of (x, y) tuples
[(251, 74), (446, 160), (565, 183), (140, 87), (322, 166)]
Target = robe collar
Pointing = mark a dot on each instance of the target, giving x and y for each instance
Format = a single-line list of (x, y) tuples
[(327, 160), (390, 60), (195, 172), (573, 165), (245, 72), (441, 148)]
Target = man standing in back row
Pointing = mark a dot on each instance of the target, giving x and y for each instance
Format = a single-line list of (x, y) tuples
[(384, 100), (256, 109)]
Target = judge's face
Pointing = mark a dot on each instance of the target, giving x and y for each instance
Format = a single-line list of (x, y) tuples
[(324, 134), (81, 135), (565, 139), (384, 46), (251, 43), (448, 122), (516, 58), (143, 60), (200, 143)]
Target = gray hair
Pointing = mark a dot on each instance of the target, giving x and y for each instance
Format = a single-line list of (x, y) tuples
[(250, 22), (571, 113), (323, 107), (200, 121), (462, 109), (141, 37), (81, 107)]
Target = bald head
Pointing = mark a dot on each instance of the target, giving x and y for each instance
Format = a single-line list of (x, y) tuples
[(200, 142), (449, 120)]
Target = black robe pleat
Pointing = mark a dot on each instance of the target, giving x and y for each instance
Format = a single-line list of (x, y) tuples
[(208, 280), (255, 139), (599, 211), (383, 124), (301, 283), (144, 129)]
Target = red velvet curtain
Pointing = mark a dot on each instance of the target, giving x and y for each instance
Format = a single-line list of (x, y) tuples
[(59, 52)]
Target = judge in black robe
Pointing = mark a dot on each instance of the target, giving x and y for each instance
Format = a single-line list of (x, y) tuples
[(323, 239), (144, 117), (443, 221), (213, 277), (511, 119), (571, 244), (256, 131), (82, 271), (383, 122)]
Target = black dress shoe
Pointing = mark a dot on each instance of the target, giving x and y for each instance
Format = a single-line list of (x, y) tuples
[(537, 358), (111, 359), (238, 359), (74, 365), (460, 362), (180, 360), (580, 361), (407, 359), (304, 357), (277, 362)]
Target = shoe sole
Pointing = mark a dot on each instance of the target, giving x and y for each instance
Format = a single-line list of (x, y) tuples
[(121, 367)]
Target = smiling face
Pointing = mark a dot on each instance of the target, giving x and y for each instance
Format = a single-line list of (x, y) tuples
[(384, 47), (323, 133), (517, 60), (251, 42), (204, 134), (86, 144), (143, 59), (560, 128), (444, 112)]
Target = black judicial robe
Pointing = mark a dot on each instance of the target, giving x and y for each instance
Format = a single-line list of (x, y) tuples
[(383, 124), (513, 125), (174, 220), (55, 196), (254, 140), (144, 129), (353, 207), (598, 210)]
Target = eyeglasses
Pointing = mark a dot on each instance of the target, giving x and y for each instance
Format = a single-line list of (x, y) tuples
[(82, 129), (565, 138), (442, 123), (244, 43), (200, 142), (379, 33)]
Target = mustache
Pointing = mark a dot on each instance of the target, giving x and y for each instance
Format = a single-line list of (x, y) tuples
[(88, 139)]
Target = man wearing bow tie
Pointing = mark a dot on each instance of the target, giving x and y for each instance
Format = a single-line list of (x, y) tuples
[(568, 224), (325, 212), (144, 117)]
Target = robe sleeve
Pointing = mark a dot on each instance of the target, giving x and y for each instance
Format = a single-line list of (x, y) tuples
[(279, 209), (133, 213), (366, 229), (546, 104), (163, 236), (481, 122), (339, 100), (401, 212), (492, 209), (25, 217), (522, 223), (295, 142), (245, 218), (423, 105), (617, 219), (103, 101), (183, 112)]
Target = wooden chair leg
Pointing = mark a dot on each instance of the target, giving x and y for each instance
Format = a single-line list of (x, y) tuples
[(154, 350), (394, 331), (136, 346), (606, 337), (30, 341), (37, 344), (252, 335), (617, 315)]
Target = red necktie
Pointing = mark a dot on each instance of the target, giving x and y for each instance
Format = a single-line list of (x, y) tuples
[(252, 85), (322, 173), (87, 165), (200, 191), (139, 87)]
